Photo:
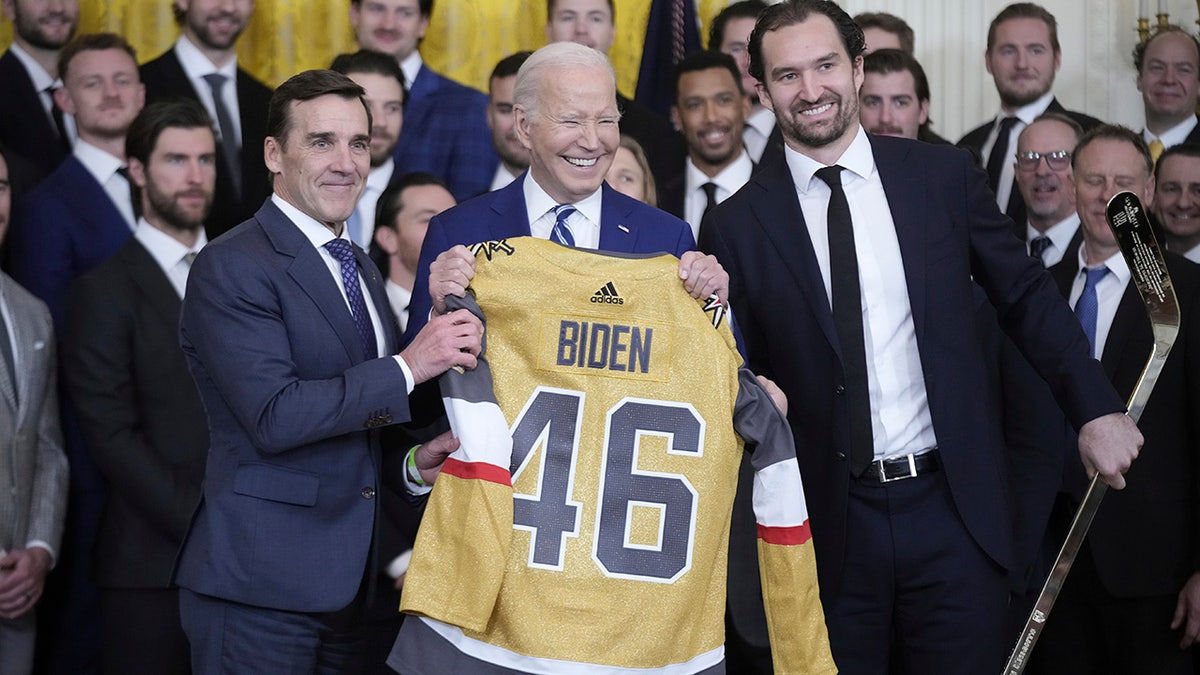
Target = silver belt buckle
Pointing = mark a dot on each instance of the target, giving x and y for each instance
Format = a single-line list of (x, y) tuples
[(912, 471)]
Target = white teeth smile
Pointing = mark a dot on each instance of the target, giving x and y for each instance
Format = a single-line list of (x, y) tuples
[(580, 161), (817, 110)]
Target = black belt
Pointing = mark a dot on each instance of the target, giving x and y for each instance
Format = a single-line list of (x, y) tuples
[(899, 468)]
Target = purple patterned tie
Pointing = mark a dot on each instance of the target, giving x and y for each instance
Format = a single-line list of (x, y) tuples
[(343, 252)]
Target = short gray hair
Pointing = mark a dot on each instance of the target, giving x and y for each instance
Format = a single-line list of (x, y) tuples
[(526, 89)]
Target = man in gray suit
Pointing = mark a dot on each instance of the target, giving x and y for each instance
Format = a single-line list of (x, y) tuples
[(33, 467)]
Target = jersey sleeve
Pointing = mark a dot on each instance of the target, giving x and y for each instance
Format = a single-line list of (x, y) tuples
[(459, 557), (787, 562)]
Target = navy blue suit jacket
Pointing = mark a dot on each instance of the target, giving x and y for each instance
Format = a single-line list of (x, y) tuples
[(626, 226), (24, 126), (61, 229), (949, 229), (288, 508), (445, 132)]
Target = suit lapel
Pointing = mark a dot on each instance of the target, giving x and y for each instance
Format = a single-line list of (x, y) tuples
[(617, 232), (778, 214), (151, 281), (902, 184), (6, 379), (370, 273), (311, 274), (508, 203), (1128, 324)]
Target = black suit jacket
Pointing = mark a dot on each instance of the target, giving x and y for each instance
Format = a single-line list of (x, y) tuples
[(948, 229), (24, 127), (975, 139), (164, 78), (140, 413), (1145, 539)]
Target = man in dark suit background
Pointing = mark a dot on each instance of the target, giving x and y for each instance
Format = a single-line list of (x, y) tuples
[(1168, 75), (902, 459), (730, 33), (445, 128), (710, 111), (563, 196), (513, 157), (287, 333), (1047, 185), (1131, 602), (1177, 199), (1023, 55), (203, 66), (137, 405), (29, 120)]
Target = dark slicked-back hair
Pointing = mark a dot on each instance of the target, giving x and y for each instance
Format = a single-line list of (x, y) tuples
[(371, 63), (889, 23), (792, 12), (176, 113), (306, 86), (391, 202), (509, 65), (1182, 150), (884, 61), (1139, 50), (704, 60), (92, 42), (612, 9), (746, 9), (424, 6), (1025, 10), (1115, 132)]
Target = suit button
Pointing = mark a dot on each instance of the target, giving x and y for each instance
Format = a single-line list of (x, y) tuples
[(841, 456), (368, 492), (839, 390)]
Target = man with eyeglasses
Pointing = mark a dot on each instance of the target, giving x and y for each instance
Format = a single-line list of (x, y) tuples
[(1043, 171)]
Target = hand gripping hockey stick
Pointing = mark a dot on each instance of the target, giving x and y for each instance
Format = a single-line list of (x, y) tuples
[(1129, 224)]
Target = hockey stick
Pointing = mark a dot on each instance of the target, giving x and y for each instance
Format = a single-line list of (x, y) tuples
[(1132, 230)]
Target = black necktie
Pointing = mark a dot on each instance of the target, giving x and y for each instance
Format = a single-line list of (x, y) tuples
[(135, 195), (1038, 246), (229, 142), (1000, 152), (847, 317), (56, 114), (710, 197), (7, 352)]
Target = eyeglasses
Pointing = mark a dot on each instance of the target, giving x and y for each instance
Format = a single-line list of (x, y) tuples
[(1057, 160)]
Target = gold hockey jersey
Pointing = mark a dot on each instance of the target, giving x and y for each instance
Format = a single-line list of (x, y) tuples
[(583, 523)]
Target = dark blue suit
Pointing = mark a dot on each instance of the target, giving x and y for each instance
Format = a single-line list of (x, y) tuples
[(626, 226), (288, 507), (949, 229), (445, 132)]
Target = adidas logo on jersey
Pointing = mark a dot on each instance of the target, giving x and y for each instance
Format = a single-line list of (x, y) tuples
[(608, 295)]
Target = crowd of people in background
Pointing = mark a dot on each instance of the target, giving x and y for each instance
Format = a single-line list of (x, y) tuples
[(943, 455)]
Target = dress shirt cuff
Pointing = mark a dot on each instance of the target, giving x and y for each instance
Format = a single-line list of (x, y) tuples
[(399, 564), (38, 543), (408, 376)]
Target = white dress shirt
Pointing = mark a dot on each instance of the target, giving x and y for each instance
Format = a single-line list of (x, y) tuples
[(411, 67), (1060, 235), (377, 182), (1108, 294), (900, 419), (730, 180), (318, 235), (502, 178), (399, 298), (103, 168), (1192, 254), (196, 65), (584, 223), (759, 126), (1173, 136), (41, 82), (169, 252), (1025, 116)]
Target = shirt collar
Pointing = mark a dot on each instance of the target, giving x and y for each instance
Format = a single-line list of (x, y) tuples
[(763, 120), (411, 67), (166, 250), (196, 65), (380, 176), (99, 163), (37, 74), (1115, 263), (1059, 233), (857, 159), (731, 178), (1030, 111), (310, 227), (537, 202), (1173, 136)]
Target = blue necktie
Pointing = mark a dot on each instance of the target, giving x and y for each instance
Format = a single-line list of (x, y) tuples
[(562, 231), (1088, 305), (343, 252)]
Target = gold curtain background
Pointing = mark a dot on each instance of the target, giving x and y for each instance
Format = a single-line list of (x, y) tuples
[(464, 41)]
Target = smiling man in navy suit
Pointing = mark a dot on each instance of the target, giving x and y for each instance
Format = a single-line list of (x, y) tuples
[(851, 268), (288, 335)]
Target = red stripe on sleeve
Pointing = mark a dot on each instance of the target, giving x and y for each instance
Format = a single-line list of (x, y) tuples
[(783, 536), (481, 471)]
